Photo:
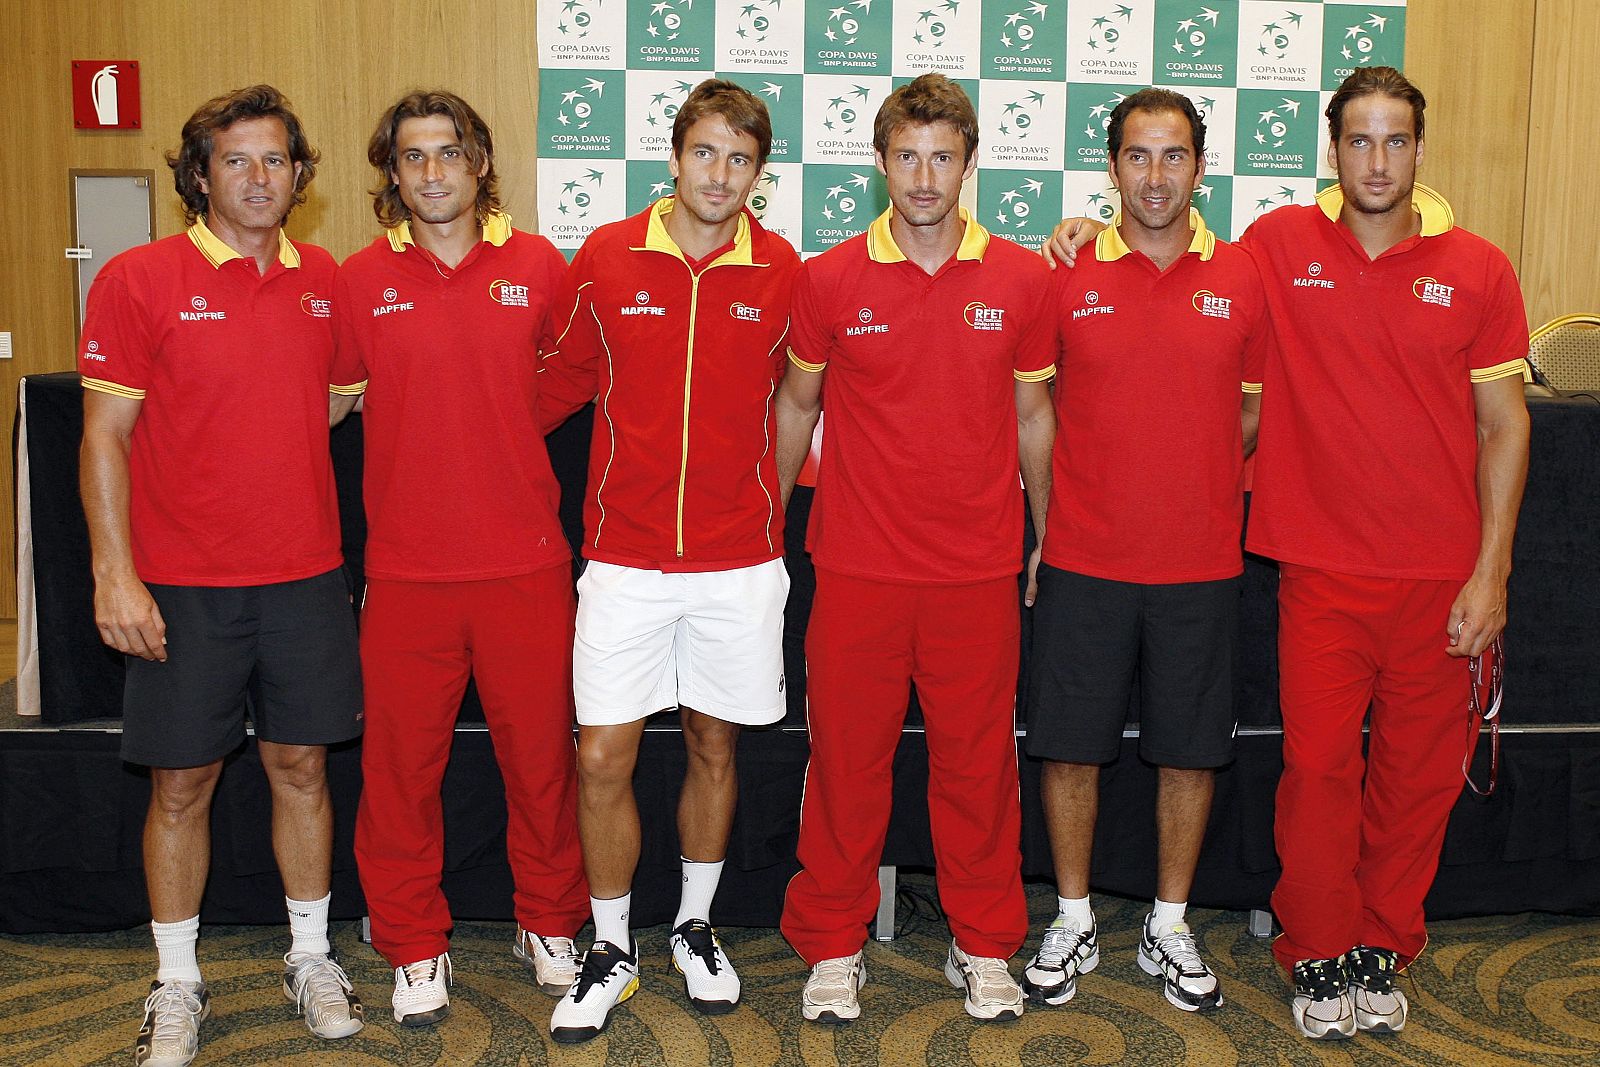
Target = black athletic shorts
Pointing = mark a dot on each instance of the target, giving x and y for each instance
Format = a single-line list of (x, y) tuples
[(1092, 638), (289, 649)]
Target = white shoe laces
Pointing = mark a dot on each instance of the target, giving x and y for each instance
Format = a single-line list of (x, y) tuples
[(1177, 944), (994, 980), (1060, 943), (319, 981), (422, 972), (175, 1013), (833, 980)]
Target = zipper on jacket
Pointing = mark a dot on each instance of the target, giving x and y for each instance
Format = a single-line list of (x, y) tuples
[(688, 370)]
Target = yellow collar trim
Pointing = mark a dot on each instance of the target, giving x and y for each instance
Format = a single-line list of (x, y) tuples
[(217, 251), (1437, 217), (1110, 246), (882, 249), (657, 239), (497, 231)]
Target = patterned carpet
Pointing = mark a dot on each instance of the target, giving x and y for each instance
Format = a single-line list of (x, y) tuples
[(1520, 989)]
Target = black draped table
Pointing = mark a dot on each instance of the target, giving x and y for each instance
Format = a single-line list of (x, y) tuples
[(71, 811)]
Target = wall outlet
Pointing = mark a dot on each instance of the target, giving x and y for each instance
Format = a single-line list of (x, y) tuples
[(5, 345)]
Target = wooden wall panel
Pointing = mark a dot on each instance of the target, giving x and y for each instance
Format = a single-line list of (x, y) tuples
[(339, 62), (1473, 60), (1561, 228)]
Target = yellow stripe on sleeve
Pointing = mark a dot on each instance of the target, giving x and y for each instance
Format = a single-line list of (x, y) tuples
[(1035, 375), (1249, 387), (355, 389), (100, 385), (1498, 371), (814, 368)]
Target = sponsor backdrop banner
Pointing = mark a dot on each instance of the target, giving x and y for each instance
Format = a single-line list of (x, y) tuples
[(1043, 74)]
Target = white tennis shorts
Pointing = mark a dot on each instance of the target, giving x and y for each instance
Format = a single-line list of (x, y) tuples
[(648, 641)]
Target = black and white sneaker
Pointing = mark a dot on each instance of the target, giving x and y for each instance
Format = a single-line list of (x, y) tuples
[(1051, 977), (1321, 1006), (1170, 954), (708, 977), (608, 976), (1380, 1007)]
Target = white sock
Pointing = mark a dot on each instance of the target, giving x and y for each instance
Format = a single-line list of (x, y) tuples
[(1165, 913), (175, 950), (1076, 910), (699, 886), (611, 920), (308, 924)]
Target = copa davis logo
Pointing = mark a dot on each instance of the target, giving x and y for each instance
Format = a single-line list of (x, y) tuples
[(1211, 305), (1431, 290), (981, 316), (1361, 40), (848, 35), (508, 294), (392, 303), (864, 317), (1280, 44), (199, 312), (318, 307)]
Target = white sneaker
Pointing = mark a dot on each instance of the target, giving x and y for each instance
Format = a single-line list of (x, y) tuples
[(833, 992), (1380, 1007), (1051, 977), (553, 960), (991, 991), (608, 976), (1188, 983), (422, 991), (170, 1033), (322, 992), (708, 977), (1321, 1007)]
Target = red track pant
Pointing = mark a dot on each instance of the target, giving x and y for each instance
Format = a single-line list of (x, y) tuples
[(1358, 838), (866, 643), (419, 643)]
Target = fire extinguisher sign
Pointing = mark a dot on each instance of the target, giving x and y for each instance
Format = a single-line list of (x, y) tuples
[(105, 94)]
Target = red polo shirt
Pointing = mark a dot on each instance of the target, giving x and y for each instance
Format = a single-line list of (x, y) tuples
[(1367, 459), (919, 480), (1148, 462), (458, 485), (684, 359), (231, 483)]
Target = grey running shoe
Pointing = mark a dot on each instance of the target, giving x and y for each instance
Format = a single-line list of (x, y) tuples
[(833, 992), (170, 1033), (1051, 977), (1188, 983), (321, 991), (1380, 1007), (992, 994), (1321, 1006)]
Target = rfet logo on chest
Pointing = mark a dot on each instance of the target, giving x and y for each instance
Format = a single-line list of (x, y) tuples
[(1211, 305), (1431, 290), (981, 316), (508, 294), (318, 307)]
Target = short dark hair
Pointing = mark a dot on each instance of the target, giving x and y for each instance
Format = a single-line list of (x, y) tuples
[(471, 131), (924, 101), (1156, 100), (192, 161), (741, 109), (1366, 81)]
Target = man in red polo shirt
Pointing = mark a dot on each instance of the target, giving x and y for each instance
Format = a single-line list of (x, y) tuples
[(676, 320), (936, 341), (214, 526), (1393, 451), (467, 568), (1141, 564)]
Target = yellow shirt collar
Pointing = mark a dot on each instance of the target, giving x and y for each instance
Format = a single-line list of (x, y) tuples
[(882, 249), (657, 239), (1110, 246), (1436, 215), (218, 252), (497, 231)]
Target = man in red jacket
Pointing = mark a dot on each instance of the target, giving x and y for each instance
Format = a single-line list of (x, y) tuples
[(468, 573), (676, 320)]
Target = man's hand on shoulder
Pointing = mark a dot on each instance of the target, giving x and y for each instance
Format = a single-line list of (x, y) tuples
[(1069, 236)]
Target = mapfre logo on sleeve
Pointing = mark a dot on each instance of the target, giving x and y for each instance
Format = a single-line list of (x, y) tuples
[(1432, 291), (508, 294), (1211, 305), (318, 307), (981, 316), (92, 351)]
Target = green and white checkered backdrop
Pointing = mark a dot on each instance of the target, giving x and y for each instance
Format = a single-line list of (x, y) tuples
[(1044, 75)]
